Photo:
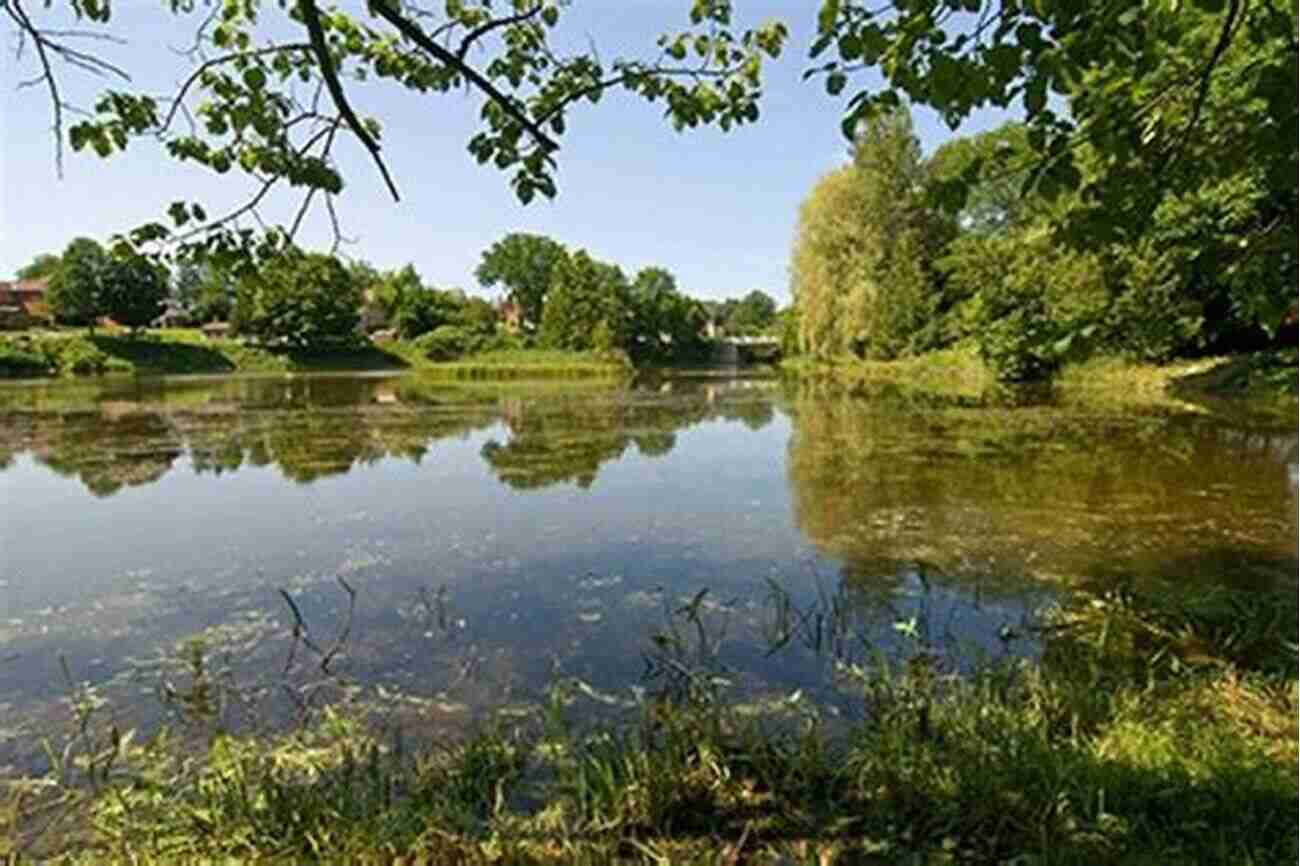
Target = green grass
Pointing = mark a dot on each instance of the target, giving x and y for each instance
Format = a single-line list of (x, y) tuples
[(176, 351), (954, 374), (958, 376), (1150, 732)]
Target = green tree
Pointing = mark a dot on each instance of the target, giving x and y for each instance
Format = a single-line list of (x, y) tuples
[(133, 290), (665, 324), (306, 300), (422, 310), (862, 266), (476, 316), (993, 167), (523, 265), (1166, 127), (752, 314), (73, 293), (587, 306), (44, 265)]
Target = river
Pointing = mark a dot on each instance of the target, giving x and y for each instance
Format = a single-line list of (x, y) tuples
[(458, 548)]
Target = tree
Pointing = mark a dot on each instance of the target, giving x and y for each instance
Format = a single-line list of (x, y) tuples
[(306, 300), (422, 310), (523, 265), (994, 166), (1112, 76), (753, 313), (133, 290), (476, 316), (44, 265), (587, 306), (73, 293), (862, 267), (253, 60), (665, 324)]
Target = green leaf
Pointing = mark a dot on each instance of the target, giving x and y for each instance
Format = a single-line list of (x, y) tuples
[(254, 78), (835, 82)]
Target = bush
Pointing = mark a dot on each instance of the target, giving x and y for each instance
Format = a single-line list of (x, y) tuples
[(16, 361), (1029, 305), (446, 343), (423, 311)]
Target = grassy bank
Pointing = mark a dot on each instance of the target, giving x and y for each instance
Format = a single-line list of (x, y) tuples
[(958, 375), (186, 351), (1149, 732)]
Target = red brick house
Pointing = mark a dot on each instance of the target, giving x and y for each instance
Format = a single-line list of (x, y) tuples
[(23, 293)]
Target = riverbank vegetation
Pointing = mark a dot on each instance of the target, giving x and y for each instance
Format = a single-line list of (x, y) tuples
[(183, 351), (1149, 730), (1174, 243), (563, 314)]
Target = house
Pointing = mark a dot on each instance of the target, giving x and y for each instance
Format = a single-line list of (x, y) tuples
[(216, 330), (511, 315), (28, 294)]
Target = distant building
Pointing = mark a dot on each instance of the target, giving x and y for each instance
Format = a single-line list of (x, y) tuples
[(511, 315), (28, 294)]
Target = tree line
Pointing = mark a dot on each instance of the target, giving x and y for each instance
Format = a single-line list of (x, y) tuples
[(1149, 252), (553, 298)]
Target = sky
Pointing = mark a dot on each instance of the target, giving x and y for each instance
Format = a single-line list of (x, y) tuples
[(717, 209)]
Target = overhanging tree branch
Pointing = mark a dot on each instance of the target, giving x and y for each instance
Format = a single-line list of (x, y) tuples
[(412, 31), (311, 19)]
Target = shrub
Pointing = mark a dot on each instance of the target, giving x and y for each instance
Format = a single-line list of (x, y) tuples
[(1029, 304), (422, 311), (446, 343), (17, 361)]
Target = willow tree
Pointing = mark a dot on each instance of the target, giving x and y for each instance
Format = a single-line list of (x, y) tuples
[(862, 264)]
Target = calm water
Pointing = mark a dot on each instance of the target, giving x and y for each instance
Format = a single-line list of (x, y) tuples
[(501, 538)]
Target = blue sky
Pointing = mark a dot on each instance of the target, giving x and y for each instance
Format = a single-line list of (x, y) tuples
[(717, 209)]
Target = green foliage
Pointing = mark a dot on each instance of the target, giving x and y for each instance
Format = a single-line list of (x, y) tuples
[(587, 300), (751, 314), (524, 266), (476, 315), (64, 356), (243, 106), (18, 361), (44, 265), (665, 325), (421, 310), (1150, 131), (446, 343), (303, 300), (1030, 304), (73, 294), (133, 290), (862, 267)]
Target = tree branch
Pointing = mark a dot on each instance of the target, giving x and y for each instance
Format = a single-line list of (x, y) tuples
[(488, 26), (413, 32), (19, 15), (1203, 86), (311, 19), (217, 61)]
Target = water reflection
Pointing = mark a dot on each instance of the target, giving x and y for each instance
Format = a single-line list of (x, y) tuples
[(1048, 492), (313, 428), (502, 536)]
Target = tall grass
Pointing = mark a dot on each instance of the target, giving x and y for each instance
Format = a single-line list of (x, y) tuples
[(1149, 732)]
